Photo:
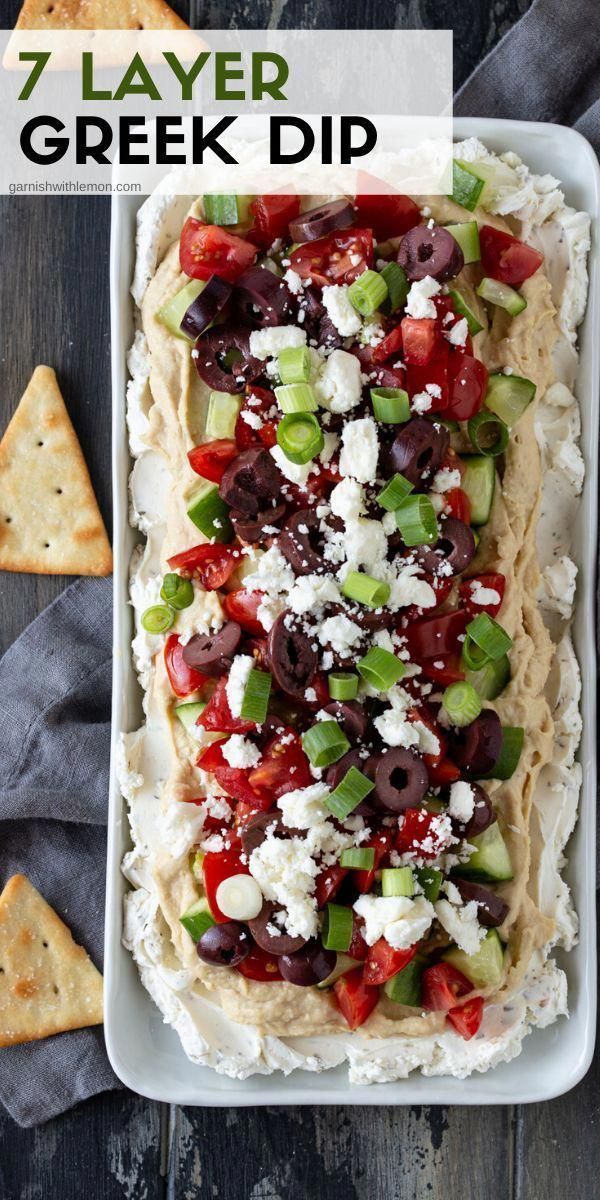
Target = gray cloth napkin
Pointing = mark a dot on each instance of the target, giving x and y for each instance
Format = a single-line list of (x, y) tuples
[(54, 749)]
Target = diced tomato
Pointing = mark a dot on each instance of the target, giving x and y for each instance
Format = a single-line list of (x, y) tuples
[(354, 998), (183, 679), (442, 586), (211, 459), (284, 766), (434, 373), (443, 670), (331, 259), (259, 965), (211, 564), (468, 384), (318, 486), (444, 773), (457, 503), (328, 883), (217, 867), (467, 1017), (385, 375), (441, 986), (383, 962), (418, 828), (493, 581), (217, 717), (419, 338), (242, 606), (266, 409), (423, 716), (358, 947), (435, 637), (206, 250), (271, 218), (506, 258), (389, 214), (390, 344), (382, 843), (233, 780)]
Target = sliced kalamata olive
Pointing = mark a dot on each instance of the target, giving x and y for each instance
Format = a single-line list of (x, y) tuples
[(371, 620), (213, 653), (292, 656), (434, 252), (336, 772), (401, 780), (301, 542), (206, 306), (491, 909), (225, 944), (308, 966), (262, 298), (209, 353), (483, 815), (455, 547), (317, 222), (329, 334), (418, 449), (312, 307), (280, 943), (476, 748), (351, 716), (250, 529), (251, 482), (254, 832)]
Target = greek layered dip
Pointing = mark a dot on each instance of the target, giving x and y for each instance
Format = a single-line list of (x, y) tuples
[(356, 473)]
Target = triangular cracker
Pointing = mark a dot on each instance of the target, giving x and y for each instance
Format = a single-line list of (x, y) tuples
[(50, 522), (98, 14), (47, 983)]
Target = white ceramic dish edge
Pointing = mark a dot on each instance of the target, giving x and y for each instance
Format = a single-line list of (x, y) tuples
[(145, 1053)]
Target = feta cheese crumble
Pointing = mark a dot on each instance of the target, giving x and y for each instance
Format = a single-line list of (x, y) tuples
[(236, 682), (266, 343), (418, 302), (398, 919), (339, 384), (239, 752), (360, 450), (340, 310)]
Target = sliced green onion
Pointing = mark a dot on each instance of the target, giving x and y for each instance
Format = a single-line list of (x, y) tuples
[(462, 703), (491, 679), (324, 743), (405, 986), (430, 881), (380, 668), (256, 696), (394, 492), (397, 285), (397, 881), (358, 858), (416, 519), (221, 210), (210, 513), (513, 737), (365, 590), (300, 437), (223, 412), (296, 397), (390, 405), (481, 429), (158, 618), (293, 364), (472, 657), (343, 685), (462, 308), (197, 919), (489, 636), (337, 927), (367, 292), (348, 794), (177, 592)]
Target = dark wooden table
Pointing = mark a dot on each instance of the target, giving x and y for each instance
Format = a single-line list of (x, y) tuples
[(119, 1145)]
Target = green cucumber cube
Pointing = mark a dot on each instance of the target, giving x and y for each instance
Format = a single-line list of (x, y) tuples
[(209, 513), (502, 295), (197, 919), (223, 412), (462, 307), (173, 311), (466, 233), (405, 986), (491, 861), (508, 396), (486, 967), (466, 186), (188, 714), (479, 482)]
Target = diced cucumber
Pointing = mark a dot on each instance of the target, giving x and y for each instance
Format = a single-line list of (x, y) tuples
[(343, 964), (269, 264), (494, 177), (466, 185), (508, 396), (479, 482), (173, 311), (484, 969), (226, 210), (512, 745), (188, 714), (223, 412), (431, 881), (490, 679), (397, 285), (451, 426), (491, 861), (502, 295), (209, 513), (467, 236), (462, 307), (405, 987), (433, 804), (197, 918), (196, 865)]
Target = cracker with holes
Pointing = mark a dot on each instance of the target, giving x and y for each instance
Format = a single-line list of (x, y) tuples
[(98, 14), (50, 522), (48, 984)]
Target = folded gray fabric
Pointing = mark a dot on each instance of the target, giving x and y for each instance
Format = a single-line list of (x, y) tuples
[(54, 756)]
